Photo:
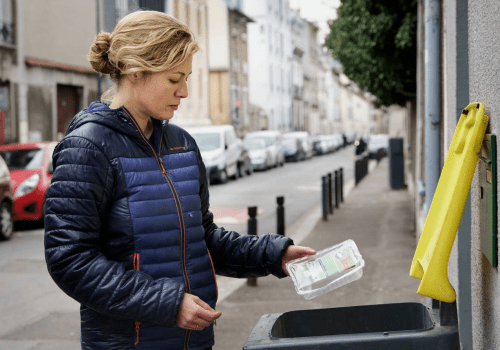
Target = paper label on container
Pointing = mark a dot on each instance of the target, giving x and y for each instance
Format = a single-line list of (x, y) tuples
[(330, 264)]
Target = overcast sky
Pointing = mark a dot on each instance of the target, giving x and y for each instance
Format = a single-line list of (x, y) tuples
[(319, 11)]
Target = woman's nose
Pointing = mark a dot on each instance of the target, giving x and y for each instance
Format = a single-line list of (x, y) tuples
[(182, 92)]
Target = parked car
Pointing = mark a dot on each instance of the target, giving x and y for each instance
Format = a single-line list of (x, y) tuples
[(244, 162), (294, 151), (304, 137), (6, 203), (219, 149), (274, 142), (30, 166), (378, 145), (259, 154)]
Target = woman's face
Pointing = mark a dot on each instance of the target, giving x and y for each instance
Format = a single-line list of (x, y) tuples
[(158, 95)]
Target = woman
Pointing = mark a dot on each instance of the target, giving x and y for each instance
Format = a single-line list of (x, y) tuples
[(129, 233)]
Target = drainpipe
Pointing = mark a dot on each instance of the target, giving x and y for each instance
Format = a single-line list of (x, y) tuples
[(432, 98), (21, 69)]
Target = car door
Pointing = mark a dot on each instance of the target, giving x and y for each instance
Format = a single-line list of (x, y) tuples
[(231, 151)]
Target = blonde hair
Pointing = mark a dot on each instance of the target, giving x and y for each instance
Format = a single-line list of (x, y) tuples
[(143, 41)]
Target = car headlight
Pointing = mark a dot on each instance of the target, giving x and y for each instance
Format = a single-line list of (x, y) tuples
[(27, 185)]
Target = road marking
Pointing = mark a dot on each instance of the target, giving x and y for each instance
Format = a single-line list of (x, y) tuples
[(230, 216)]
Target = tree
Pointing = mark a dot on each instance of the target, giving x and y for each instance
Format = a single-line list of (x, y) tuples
[(376, 43)]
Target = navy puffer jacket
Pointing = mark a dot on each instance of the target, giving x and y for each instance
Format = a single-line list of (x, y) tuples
[(128, 231)]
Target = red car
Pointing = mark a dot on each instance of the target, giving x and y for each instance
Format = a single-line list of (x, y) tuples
[(30, 166)]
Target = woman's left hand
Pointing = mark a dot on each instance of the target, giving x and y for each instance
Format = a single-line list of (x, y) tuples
[(294, 252)]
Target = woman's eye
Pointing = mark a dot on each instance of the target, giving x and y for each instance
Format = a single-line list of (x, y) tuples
[(173, 81)]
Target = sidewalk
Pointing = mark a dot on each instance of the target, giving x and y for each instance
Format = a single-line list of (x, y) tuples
[(380, 221)]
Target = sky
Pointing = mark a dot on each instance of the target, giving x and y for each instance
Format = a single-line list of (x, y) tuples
[(319, 11)]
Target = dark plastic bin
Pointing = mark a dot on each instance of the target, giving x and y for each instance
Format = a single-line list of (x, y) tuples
[(402, 326), (396, 164)]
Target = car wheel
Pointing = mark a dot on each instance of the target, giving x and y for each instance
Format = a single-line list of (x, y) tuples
[(249, 170), (6, 222), (223, 176)]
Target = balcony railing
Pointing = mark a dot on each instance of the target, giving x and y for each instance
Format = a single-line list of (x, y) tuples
[(7, 34)]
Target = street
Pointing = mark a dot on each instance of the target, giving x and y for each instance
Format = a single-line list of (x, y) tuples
[(35, 314)]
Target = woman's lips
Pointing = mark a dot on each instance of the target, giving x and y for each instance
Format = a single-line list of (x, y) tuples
[(174, 107)]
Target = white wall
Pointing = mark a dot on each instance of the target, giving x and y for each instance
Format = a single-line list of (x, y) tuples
[(218, 38)]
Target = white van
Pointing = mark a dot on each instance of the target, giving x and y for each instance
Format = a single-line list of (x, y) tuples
[(304, 137), (274, 143), (219, 150)]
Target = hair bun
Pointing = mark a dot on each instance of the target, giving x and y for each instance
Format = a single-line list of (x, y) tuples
[(98, 55)]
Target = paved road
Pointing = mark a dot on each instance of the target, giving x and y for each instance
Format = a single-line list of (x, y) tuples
[(36, 315)]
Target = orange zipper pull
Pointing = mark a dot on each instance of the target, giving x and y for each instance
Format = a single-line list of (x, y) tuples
[(137, 327)]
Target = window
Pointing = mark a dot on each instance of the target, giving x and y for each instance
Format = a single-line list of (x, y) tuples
[(155, 5), (6, 27)]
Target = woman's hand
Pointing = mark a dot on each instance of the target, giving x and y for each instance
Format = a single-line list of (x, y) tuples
[(195, 314), (294, 252)]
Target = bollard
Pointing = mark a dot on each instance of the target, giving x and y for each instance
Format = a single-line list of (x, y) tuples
[(337, 191), (357, 170), (341, 171), (252, 230), (280, 216), (330, 205), (324, 197)]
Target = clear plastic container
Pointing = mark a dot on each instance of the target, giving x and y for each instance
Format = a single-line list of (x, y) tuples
[(329, 269)]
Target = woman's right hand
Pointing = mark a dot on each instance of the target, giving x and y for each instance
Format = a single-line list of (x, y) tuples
[(195, 314)]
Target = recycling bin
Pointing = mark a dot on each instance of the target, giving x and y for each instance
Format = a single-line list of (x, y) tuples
[(370, 327), (396, 164)]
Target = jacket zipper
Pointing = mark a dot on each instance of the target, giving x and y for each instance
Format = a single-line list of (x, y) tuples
[(179, 214), (215, 280), (137, 323)]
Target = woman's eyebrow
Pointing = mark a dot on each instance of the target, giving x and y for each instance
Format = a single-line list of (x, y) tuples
[(181, 73)]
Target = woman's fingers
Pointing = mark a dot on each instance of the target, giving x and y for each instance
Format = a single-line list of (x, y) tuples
[(195, 314)]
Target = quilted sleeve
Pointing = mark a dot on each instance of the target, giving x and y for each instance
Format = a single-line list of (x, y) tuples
[(236, 255), (77, 199)]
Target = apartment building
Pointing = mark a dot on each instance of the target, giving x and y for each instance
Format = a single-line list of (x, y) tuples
[(228, 64), (44, 75)]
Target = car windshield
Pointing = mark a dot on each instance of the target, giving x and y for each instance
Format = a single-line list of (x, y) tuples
[(290, 144), (207, 141), (267, 139), (251, 144), (23, 158)]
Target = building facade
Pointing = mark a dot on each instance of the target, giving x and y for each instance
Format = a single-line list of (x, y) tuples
[(44, 76), (270, 56), (228, 64)]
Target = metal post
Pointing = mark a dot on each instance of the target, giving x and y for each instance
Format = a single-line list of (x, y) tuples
[(337, 191), (356, 171), (252, 230), (280, 215), (324, 199), (432, 98), (341, 171), (330, 192)]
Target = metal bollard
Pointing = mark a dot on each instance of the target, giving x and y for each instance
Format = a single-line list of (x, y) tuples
[(356, 171), (341, 171), (324, 197), (337, 191), (252, 230), (280, 216), (330, 192)]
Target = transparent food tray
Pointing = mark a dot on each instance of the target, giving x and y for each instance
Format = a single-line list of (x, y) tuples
[(329, 269)]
